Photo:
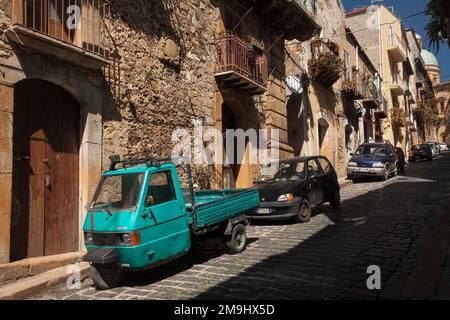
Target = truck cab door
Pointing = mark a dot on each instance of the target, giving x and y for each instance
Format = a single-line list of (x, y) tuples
[(168, 231), (315, 175)]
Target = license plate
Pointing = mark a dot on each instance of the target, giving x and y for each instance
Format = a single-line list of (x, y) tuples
[(364, 169), (263, 211)]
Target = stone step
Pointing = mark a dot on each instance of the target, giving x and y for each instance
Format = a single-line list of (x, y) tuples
[(34, 266), (23, 288)]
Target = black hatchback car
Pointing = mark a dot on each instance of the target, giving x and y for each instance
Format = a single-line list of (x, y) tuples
[(289, 189)]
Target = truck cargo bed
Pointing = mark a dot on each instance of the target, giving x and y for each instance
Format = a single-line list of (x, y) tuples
[(216, 206)]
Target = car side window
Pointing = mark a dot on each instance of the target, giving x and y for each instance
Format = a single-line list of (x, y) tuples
[(313, 168), (160, 189), (325, 165)]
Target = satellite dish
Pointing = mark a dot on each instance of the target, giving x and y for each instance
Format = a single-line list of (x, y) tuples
[(373, 21), (294, 84)]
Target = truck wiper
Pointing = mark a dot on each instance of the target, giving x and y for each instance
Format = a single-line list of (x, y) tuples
[(108, 211)]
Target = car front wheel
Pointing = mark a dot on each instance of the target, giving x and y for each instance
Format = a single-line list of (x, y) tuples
[(304, 212)]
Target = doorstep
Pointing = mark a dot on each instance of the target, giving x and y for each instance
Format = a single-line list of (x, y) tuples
[(24, 288), (34, 266), (343, 182)]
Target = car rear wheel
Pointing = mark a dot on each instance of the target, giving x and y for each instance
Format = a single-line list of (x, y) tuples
[(106, 276), (237, 242), (304, 212), (336, 201), (394, 174)]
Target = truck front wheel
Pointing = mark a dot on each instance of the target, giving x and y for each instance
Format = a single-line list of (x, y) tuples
[(106, 276), (237, 241)]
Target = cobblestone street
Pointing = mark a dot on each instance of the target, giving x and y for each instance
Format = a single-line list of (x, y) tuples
[(379, 223)]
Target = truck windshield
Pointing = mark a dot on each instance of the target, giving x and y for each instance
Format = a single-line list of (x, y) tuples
[(286, 171), (118, 192)]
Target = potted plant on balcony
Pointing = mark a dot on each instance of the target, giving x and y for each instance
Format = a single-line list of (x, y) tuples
[(326, 68), (255, 45)]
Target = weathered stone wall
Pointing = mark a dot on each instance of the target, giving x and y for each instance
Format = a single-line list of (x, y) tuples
[(154, 97)]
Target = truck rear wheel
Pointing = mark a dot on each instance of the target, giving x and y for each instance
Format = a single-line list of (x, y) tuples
[(106, 276), (237, 241)]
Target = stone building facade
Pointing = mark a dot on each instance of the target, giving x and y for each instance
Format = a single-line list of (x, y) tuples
[(316, 118), (443, 103), (406, 86)]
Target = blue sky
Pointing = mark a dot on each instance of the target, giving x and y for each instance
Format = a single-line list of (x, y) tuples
[(404, 8)]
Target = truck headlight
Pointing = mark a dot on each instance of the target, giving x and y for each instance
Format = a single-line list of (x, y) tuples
[(352, 164), (378, 164), (88, 238), (286, 197), (130, 238)]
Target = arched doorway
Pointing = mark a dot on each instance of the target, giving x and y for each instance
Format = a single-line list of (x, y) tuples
[(46, 144)]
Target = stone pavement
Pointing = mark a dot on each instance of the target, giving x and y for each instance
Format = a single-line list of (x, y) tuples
[(379, 223)]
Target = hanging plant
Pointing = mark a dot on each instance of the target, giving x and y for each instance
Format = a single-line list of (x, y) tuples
[(326, 68), (255, 44)]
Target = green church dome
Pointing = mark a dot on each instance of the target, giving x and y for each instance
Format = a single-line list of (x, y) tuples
[(429, 58)]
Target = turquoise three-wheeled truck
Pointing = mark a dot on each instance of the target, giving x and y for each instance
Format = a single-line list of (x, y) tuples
[(140, 217)]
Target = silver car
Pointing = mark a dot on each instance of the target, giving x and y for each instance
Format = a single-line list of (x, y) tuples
[(435, 148)]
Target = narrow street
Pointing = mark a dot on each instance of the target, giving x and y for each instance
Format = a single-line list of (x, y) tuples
[(379, 223)]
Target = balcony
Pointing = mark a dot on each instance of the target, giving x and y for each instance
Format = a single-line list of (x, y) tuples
[(325, 65), (382, 111), (71, 30), (409, 120), (361, 86), (354, 86), (397, 48), (296, 18), (239, 66), (398, 85), (372, 97)]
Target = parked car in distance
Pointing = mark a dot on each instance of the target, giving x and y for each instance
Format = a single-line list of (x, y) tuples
[(290, 189), (435, 148), (373, 159), (400, 159), (420, 151), (443, 146)]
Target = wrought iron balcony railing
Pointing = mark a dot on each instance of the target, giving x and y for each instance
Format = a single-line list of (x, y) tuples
[(76, 22), (240, 65)]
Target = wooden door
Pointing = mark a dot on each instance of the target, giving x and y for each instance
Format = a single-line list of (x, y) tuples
[(45, 171)]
